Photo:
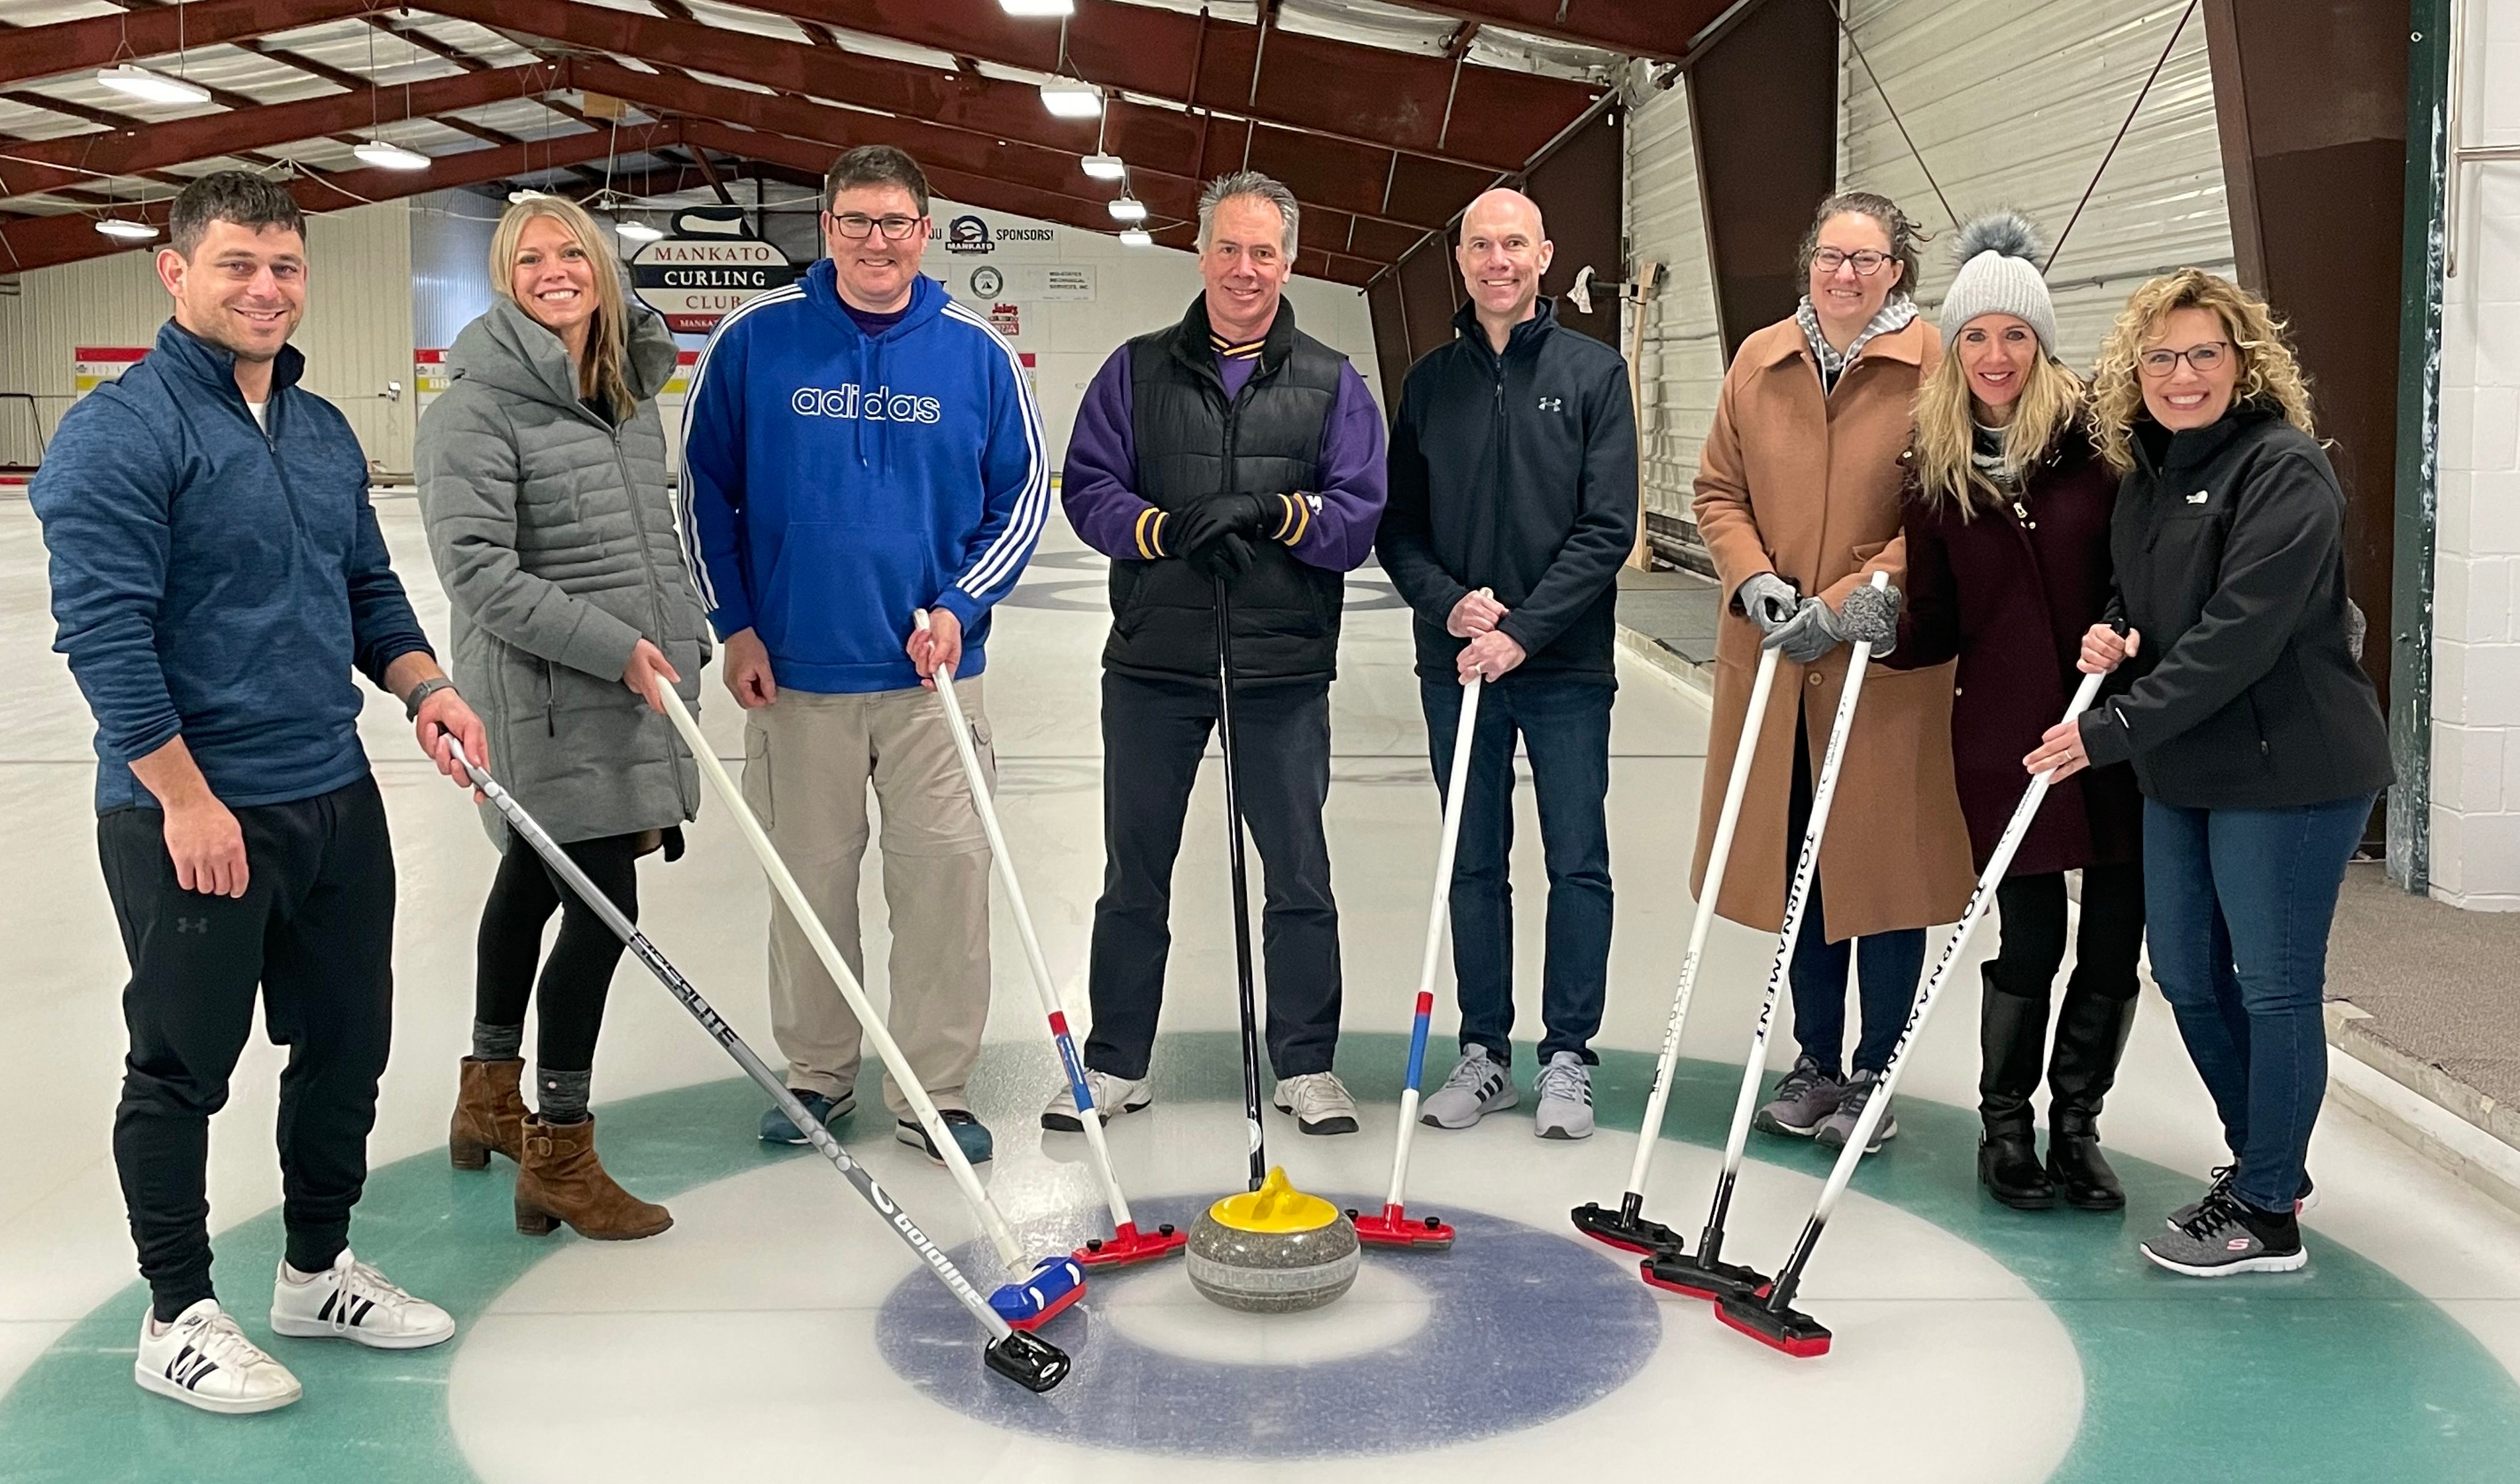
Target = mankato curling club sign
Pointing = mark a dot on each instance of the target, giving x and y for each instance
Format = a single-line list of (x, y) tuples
[(709, 266)]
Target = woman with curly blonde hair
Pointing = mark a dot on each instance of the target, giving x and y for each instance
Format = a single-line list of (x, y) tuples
[(2256, 737), (2007, 520)]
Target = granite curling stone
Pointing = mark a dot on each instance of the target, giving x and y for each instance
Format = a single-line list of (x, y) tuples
[(1273, 1250)]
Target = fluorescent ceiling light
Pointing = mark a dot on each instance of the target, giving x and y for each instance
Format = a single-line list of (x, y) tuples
[(1136, 236), (1105, 167), (151, 87), (1129, 208), (124, 229), (1069, 99), (1037, 6), (390, 157), (639, 232)]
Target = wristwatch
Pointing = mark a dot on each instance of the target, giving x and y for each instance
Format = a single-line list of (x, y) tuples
[(420, 693)]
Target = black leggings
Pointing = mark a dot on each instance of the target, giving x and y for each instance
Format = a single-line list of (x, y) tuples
[(579, 971), (2034, 933)]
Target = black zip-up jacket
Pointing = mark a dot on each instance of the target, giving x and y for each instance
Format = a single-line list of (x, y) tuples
[(1516, 474), (2228, 544)]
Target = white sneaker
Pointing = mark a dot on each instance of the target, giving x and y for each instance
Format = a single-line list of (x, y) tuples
[(355, 1302), (1112, 1096), (1565, 1088), (1320, 1102), (1479, 1085), (204, 1359)]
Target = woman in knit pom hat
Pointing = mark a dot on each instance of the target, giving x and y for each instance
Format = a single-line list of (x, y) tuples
[(2006, 517)]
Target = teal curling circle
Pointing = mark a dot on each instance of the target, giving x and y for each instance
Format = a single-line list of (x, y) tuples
[(2340, 1373)]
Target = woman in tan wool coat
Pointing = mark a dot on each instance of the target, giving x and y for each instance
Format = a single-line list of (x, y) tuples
[(1798, 503)]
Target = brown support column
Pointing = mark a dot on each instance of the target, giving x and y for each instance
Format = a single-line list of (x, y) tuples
[(1390, 339), (1429, 288), (1763, 111), (2310, 99), (1579, 188)]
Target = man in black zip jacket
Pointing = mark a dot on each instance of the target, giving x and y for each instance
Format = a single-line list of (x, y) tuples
[(1513, 503)]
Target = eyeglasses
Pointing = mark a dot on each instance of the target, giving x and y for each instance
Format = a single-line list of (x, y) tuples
[(855, 225), (2203, 359), (1864, 261)]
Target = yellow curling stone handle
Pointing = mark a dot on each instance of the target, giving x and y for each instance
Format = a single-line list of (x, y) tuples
[(1276, 1207)]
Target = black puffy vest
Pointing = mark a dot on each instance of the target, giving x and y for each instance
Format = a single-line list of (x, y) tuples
[(1190, 443)]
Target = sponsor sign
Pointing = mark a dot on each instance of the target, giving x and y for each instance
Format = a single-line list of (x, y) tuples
[(970, 235), (709, 266), (1033, 283), (91, 366)]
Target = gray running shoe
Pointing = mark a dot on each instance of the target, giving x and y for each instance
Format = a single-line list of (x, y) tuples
[(2224, 1237), (2218, 1182), (1803, 1100), (1565, 1089), (1839, 1126), (1480, 1085)]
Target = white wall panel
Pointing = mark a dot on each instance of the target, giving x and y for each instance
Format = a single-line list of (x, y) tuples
[(1680, 367)]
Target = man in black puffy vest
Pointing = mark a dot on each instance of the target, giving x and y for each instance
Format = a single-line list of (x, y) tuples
[(1233, 445)]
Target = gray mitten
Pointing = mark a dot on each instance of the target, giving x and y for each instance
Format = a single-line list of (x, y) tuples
[(1871, 614), (1768, 601), (1812, 632)]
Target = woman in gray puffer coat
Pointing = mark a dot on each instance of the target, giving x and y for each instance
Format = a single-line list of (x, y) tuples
[(541, 480)]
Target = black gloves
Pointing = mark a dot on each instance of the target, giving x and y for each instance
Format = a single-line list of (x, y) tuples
[(1214, 536), (1227, 556)]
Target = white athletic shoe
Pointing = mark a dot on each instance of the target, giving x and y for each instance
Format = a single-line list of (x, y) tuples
[(1479, 1085), (355, 1302), (204, 1359), (1112, 1096), (1320, 1102), (1565, 1088)]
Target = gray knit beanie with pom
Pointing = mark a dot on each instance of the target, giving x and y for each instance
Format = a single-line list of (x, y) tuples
[(1999, 258)]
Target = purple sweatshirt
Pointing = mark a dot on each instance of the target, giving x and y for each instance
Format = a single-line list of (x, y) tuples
[(1099, 486)]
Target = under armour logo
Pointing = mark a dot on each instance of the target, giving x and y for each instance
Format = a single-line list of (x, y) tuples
[(193, 924), (1552, 404), (2201, 497)]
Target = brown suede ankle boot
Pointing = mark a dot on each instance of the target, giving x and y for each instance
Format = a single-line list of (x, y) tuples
[(489, 1113), (560, 1179)]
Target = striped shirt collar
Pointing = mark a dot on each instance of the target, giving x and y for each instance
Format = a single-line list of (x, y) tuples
[(1248, 350), (1894, 315)]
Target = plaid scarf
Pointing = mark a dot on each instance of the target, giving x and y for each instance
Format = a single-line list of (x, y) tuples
[(1893, 316)]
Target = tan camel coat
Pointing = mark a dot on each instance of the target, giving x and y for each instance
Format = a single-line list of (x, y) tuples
[(1808, 488)]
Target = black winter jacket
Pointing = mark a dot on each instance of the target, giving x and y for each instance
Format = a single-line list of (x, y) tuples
[(2228, 544), (1516, 474)]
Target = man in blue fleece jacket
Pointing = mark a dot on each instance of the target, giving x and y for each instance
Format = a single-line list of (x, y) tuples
[(858, 448), (217, 574)]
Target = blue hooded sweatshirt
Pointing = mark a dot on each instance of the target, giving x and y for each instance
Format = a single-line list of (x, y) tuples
[(216, 580), (835, 481)]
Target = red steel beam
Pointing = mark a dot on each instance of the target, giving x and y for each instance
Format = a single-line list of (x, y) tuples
[(53, 164), (44, 242), (1657, 30), (1364, 94), (70, 46)]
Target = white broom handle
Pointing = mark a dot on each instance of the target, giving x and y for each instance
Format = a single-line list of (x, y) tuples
[(1051, 1001), (1970, 917), (1824, 791), (811, 923), (1463, 738), (1735, 787)]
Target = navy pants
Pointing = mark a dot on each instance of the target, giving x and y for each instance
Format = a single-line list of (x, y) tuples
[(1886, 964), (2238, 902), (1565, 729)]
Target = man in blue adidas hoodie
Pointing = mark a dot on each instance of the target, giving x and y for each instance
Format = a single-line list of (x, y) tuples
[(859, 448)]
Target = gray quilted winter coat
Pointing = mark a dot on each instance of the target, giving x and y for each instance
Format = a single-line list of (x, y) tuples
[(553, 534)]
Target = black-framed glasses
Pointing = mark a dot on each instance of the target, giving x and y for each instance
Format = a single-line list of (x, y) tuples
[(2203, 358), (856, 225), (1863, 260)]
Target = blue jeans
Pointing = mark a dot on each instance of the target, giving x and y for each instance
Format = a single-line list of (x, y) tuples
[(1886, 964), (2238, 902), (1566, 727)]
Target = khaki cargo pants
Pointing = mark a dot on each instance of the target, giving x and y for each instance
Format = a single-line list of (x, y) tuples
[(807, 762)]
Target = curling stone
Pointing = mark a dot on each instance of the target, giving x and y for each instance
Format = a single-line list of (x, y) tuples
[(1273, 1250)]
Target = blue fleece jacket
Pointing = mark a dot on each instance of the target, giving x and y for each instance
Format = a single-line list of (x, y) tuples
[(836, 481), (216, 580)]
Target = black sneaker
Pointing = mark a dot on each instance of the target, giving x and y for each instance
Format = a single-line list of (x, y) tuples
[(2219, 1183), (2228, 1235)]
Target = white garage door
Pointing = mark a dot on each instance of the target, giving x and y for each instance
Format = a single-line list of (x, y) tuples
[(1682, 365)]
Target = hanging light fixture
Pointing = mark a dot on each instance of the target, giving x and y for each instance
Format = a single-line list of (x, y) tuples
[(1037, 6), (1067, 98), (638, 232), (387, 155), (1129, 208), (1136, 236), (151, 87), (1107, 167), (124, 229)]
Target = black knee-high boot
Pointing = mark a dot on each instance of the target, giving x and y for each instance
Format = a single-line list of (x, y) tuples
[(2011, 1031), (2091, 1031)]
